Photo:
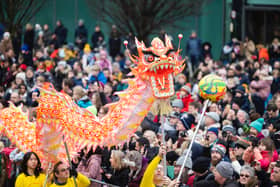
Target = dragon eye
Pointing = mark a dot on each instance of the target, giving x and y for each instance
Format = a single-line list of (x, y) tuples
[(172, 55), (150, 58)]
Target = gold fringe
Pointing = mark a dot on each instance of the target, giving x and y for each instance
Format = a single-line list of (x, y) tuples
[(161, 106)]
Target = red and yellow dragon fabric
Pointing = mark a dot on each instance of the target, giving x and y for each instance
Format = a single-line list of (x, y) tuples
[(58, 117)]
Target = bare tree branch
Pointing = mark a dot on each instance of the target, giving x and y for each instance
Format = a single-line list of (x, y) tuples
[(144, 17), (16, 13)]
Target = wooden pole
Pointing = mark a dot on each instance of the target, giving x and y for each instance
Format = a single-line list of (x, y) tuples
[(69, 159)]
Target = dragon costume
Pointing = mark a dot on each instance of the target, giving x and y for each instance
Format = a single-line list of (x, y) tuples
[(58, 115)]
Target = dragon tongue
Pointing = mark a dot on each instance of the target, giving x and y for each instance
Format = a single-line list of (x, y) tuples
[(162, 85)]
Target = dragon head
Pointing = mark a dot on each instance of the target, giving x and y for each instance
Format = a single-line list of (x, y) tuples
[(158, 64)]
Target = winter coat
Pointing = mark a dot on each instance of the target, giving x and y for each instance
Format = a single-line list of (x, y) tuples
[(84, 102), (186, 101), (81, 33), (267, 159), (3, 173), (114, 45), (47, 37), (91, 168), (61, 34), (208, 176), (262, 87), (119, 177), (29, 37), (100, 77), (264, 178), (9, 168), (263, 157), (135, 181), (193, 47), (105, 64), (213, 183), (5, 45), (94, 38)]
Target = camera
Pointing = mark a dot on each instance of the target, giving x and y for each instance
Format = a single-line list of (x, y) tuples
[(233, 138), (224, 134), (182, 134)]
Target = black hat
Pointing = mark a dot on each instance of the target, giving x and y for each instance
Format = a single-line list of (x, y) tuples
[(171, 157), (201, 164)]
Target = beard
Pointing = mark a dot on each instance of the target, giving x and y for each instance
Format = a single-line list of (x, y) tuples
[(215, 160)]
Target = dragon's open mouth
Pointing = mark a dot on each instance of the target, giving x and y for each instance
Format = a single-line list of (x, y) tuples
[(161, 77)]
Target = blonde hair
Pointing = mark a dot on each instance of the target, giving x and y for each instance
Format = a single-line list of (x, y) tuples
[(151, 136), (79, 92), (119, 158)]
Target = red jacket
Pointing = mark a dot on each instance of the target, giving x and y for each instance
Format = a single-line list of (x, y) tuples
[(265, 161), (7, 151), (186, 101)]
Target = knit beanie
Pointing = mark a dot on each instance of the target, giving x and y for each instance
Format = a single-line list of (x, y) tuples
[(87, 48), (258, 124), (229, 128), (240, 89), (225, 169), (213, 115), (213, 130), (220, 149), (201, 164), (180, 160)]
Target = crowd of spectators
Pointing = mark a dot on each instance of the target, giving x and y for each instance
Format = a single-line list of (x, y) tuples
[(237, 144)]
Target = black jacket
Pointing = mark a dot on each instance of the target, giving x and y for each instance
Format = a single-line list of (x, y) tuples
[(119, 177), (213, 183), (265, 179), (61, 34)]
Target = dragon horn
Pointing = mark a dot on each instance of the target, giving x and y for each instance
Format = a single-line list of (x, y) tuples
[(168, 42), (180, 36), (129, 55), (140, 46)]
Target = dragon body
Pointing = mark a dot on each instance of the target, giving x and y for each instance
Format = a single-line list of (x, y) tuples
[(58, 115)]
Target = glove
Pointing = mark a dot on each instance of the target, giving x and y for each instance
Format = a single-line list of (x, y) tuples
[(73, 172)]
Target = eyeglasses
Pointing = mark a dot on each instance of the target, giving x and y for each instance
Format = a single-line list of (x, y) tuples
[(64, 169), (242, 175)]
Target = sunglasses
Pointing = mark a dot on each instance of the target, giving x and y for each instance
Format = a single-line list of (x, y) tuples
[(64, 169), (247, 176)]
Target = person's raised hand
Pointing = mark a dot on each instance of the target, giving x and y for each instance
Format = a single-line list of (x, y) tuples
[(108, 175), (165, 181), (174, 183), (232, 155), (258, 166), (247, 155), (162, 151)]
